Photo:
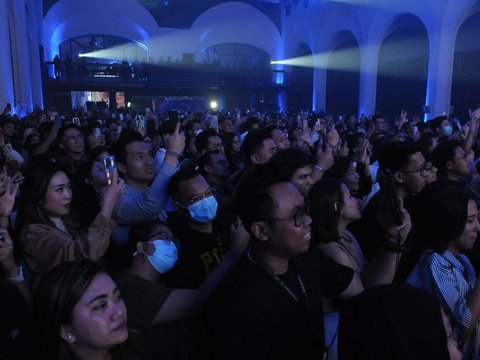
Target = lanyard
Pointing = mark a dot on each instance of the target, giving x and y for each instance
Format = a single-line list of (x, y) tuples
[(260, 263)]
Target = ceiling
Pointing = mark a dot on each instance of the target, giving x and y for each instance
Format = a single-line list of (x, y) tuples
[(181, 14)]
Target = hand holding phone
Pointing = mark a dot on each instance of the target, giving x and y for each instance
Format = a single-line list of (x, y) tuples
[(110, 165), (173, 118), (140, 121)]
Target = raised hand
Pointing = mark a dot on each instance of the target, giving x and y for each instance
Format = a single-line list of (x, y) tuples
[(7, 199), (175, 142), (239, 237), (111, 194)]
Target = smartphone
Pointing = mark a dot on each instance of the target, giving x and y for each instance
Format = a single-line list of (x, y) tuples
[(97, 133), (392, 199), (110, 165), (214, 123), (12, 167), (457, 123), (173, 118), (140, 120)]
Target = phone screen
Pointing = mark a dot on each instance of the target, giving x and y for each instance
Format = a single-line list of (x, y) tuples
[(110, 165), (173, 118)]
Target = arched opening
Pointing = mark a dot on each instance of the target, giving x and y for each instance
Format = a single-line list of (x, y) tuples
[(403, 68), (466, 67), (103, 49), (343, 75), (300, 91)]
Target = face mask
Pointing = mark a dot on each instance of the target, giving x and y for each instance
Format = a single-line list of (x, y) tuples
[(204, 210), (165, 255), (448, 130)]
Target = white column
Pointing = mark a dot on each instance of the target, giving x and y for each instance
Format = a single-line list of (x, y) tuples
[(6, 83), (20, 52), (35, 34), (440, 68), (368, 79), (282, 101), (319, 87)]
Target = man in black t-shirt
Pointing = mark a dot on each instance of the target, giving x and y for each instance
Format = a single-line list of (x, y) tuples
[(270, 305)]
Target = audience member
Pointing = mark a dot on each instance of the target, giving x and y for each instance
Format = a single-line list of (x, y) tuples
[(395, 322), (202, 243), (145, 192), (47, 234), (157, 316), (258, 147), (448, 225), (270, 305), (79, 314), (293, 165)]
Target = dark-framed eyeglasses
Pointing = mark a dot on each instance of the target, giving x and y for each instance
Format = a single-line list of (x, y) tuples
[(423, 170), (299, 218), (464, 156), (206, 194)]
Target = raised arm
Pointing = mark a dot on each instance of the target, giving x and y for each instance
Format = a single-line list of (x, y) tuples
[(183, 303)]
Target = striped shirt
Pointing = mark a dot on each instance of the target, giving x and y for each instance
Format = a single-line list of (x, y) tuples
[(450, 279)]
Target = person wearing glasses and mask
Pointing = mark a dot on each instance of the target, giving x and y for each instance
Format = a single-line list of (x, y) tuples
[(156, 311), (202, 242)]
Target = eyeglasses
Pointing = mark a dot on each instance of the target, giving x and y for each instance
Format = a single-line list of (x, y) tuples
[(206, 194), (461, 157), (74, 138), (299, 217), (217, 146), (423, 170)]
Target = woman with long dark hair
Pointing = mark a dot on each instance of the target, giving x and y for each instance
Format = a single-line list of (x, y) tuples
[(79, 314), (446, 222), (47, 234), (333, 208)]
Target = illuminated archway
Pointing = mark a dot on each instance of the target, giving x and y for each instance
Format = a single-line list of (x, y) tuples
[(343, 75), (403, 67), (300, 93)]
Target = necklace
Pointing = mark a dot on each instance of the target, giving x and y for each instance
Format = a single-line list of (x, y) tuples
[(251, 256)]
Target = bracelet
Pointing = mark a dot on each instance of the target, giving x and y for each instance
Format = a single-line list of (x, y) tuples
[(388, 246), (319, 168), (17, 279), (173, 153)]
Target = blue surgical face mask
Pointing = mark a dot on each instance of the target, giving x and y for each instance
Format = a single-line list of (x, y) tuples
[(204, 210), (448, 130), (165, 255)]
